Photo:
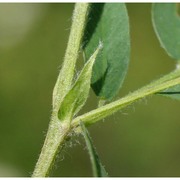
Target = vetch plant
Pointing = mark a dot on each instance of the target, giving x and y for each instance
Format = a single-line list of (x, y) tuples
[(101, 32)]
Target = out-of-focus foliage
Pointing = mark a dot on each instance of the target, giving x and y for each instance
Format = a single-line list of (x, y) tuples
[(142, 140), (166, 23)]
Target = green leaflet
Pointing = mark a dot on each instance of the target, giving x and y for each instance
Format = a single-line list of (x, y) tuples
[(166, 24), (98, 169), (78, 94), (108, 23)]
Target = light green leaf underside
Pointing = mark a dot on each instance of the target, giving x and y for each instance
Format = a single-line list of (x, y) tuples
[(166, 23), (173, 92), (98, 169), (75, 99), (108, 23)]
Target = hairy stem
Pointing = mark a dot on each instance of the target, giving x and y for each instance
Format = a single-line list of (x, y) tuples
[(161, 84), (66, 74), (53, 143), (58, 130)]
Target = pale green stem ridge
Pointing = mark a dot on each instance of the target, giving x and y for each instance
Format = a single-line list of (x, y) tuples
[(58, 131), (159, 85), (66, 74)]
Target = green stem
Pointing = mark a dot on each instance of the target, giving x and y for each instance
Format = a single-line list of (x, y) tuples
[(66, 74), (161, 84), (58, 131), (53, 144)]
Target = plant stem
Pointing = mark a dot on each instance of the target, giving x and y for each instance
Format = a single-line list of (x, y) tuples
[(161, 84), (66, 74), (58, 130), (53, 144), (56, 137)]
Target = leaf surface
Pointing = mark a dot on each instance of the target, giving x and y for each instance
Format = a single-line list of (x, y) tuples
[(108, 23), (166, 23), (98, 169)]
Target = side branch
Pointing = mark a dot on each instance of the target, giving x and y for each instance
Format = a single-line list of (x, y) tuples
[(159, 85)]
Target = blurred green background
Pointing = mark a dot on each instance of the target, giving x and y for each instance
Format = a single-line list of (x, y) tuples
[(141, 140)]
